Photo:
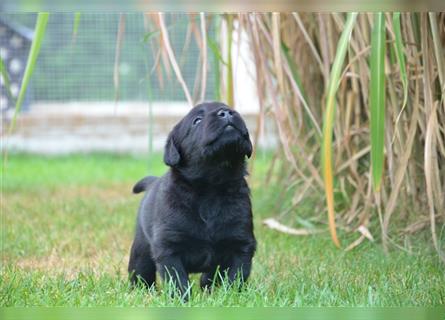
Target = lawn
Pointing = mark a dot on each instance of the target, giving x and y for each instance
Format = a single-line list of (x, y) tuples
[(67, 226)]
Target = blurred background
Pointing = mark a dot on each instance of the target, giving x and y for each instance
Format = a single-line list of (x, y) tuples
[(75, 103)]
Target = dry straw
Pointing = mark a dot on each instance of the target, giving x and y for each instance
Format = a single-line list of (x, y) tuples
[(375, 83)]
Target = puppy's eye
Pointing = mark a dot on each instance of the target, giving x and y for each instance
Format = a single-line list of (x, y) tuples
[(197, 120)]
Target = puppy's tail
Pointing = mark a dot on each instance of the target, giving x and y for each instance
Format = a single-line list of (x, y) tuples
[(144, 184)]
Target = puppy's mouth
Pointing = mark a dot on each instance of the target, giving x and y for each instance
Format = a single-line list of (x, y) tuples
[(226, 141), (230, 127), (233, 128), (226, 133), (229, 134)]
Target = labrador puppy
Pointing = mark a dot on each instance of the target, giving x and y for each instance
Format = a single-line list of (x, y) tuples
[(197, 218)]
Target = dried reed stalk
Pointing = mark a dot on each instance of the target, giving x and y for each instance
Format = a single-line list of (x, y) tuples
[(294, 56)]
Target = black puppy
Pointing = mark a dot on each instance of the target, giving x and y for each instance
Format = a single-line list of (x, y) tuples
[(198, 216)]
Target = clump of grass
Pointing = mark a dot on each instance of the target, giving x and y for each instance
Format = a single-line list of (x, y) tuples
[(383, 147)]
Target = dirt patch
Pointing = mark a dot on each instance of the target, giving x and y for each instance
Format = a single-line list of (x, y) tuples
[(114, 192), (71, 266), (111, 194)]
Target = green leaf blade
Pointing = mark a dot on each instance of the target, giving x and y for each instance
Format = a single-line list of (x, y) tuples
[(328, 123), (76, 24), (42, 20), (6, 80), (398, 46), (377, 99)]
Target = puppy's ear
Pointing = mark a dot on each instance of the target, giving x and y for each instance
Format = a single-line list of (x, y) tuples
[(171, 152)]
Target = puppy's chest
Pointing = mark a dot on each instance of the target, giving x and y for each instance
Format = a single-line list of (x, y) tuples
[(207, 239), (214, 217)]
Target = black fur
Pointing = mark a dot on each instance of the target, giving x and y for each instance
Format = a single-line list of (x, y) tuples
[(198, 216)]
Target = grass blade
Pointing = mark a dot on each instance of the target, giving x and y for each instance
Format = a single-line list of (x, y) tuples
[(204, 56), (217, 57), (438, 50), (299, 87), (294, 69), (398, 46), (377, 99), (433, 189), (229, 90), (117, 56), (308, 39), (39, 33), (328, 123), (402, 167), (5, 75), (172, 59), (213, 45), (76, 24), (276, 48)]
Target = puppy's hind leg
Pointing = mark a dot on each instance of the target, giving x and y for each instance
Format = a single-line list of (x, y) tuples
[(141, 266)]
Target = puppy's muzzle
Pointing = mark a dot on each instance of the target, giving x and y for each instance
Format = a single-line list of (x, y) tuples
[(225, 114), (229, 119)]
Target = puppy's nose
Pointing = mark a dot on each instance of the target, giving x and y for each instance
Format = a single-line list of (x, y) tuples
[(225, 113)]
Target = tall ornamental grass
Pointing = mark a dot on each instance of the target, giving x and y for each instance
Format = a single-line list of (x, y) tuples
[(358, 102)]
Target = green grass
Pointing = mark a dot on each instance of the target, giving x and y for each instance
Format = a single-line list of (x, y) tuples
[(67, 226)]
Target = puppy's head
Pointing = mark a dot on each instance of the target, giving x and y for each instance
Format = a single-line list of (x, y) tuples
[(209, 132)]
